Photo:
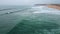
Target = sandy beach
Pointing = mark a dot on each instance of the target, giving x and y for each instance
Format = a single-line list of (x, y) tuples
[(56, 6)]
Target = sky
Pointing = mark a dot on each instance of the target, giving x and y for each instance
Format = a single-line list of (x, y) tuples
[(28, 2)]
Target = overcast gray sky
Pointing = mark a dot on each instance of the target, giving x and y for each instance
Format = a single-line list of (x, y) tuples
[(28, 2)]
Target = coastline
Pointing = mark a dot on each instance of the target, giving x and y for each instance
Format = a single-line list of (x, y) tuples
[(54, 6)]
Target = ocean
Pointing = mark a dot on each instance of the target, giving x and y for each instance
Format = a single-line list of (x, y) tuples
[(29, 20)]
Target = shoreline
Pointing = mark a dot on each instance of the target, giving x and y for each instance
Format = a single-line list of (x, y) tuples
[(54, 6)]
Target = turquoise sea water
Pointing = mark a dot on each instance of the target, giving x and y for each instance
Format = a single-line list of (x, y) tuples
[(29, 20), (10, 16)]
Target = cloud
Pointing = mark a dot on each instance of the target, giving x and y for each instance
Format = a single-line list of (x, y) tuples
[(15, 2), (48, 1), (28, 2)]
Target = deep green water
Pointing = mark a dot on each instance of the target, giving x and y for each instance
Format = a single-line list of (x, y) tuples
[(38, 24), (29, 22), (9, 20)]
